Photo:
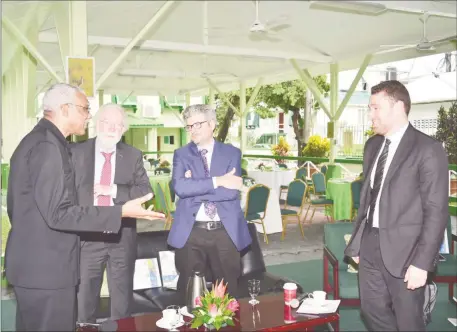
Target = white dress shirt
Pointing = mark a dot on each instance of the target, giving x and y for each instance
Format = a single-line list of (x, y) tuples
[(394, 142), (201, 215), (99, 162)]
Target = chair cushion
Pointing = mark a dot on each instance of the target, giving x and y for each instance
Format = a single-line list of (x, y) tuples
[(321, 201), (283, 187), (286, 212), (448, 267), (282, 201), (348, 284), (253, 216)]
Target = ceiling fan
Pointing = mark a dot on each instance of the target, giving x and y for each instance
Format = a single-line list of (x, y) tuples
[(424, 44), (260, 31)]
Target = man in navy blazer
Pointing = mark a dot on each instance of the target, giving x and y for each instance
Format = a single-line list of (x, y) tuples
[(209, 229)]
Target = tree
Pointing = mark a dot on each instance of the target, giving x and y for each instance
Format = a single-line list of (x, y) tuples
[(225, 113), (290, 96), (447, 131)]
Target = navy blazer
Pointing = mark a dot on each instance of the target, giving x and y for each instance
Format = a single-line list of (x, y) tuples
[(192, 192)]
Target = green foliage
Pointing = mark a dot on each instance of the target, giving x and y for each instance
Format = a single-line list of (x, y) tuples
[(214, 309), (370, 132), (317, 147), (281, 149), (447, 131)]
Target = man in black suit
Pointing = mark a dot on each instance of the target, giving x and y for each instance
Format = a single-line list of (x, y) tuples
[(127, 180), (42, 252), (402, 216)]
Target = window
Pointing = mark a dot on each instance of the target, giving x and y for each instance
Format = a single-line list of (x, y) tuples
[(169, 139), (172, 140)]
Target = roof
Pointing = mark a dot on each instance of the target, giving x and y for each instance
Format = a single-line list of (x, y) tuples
[(167, 119), (199, 40)]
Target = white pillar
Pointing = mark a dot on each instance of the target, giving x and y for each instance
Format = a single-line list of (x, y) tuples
[(152, 140), (243, 112)]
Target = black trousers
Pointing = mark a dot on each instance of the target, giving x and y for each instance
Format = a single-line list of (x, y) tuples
[(214, 254), (386, 303), (118, 256), (45, 309)]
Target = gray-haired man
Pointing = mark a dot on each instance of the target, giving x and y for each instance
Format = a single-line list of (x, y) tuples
[(42, 252)]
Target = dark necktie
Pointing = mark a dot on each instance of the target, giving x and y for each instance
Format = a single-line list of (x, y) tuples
[(210, 207), (378, 180), (105, 179)]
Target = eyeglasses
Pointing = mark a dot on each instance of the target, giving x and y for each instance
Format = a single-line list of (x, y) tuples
[(108, 124), (196, 125), (86, 109)]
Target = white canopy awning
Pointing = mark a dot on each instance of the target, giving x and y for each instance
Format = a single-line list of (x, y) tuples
[(200, 40)]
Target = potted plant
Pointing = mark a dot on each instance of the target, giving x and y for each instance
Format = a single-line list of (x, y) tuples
[(215, 309), (282, 149), (317, 147)]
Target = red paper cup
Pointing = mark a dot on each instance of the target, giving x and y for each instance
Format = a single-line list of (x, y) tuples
[(288, 316), (290, 292)]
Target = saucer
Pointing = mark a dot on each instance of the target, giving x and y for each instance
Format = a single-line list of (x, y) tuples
[(184, 312), (165, 325)]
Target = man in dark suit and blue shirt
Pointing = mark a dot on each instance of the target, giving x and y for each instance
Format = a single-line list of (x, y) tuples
[(402, 216), (108, 172), (209, 229), (42, 252)]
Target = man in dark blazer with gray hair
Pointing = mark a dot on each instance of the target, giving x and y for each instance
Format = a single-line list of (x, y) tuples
[(402, 216), (126, 179)]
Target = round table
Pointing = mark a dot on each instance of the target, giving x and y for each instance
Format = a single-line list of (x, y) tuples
[(273, 179), (339, 190)]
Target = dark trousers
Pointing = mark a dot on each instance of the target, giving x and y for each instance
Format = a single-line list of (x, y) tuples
[(119, 258), (386, 303), (45, 309), (211, 252)]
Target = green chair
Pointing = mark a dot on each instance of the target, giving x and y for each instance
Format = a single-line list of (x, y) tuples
[(256, 206), (300, 174), (324, 169), (319, 189), (284, 166), (356, 187), (446, 270), (296, 197), (169, 215), (338, 280)]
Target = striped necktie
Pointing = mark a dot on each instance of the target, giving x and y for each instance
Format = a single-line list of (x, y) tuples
[(210, 207), (378, 180)]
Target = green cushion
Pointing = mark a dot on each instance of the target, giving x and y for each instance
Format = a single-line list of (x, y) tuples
[(447, 268), (284, 187), (253, 216), (285, 212), (282, 201), (257, 199), (334, 240), (321, 201), (348, 284)]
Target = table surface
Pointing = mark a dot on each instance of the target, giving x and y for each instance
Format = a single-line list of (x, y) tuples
[(268, 315)]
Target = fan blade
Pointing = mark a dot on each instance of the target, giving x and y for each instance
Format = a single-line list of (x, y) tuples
[(262, 37), (279, 27), (443, 40), (394, 46)]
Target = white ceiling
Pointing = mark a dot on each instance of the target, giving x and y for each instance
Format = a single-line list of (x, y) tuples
[(172, 61)]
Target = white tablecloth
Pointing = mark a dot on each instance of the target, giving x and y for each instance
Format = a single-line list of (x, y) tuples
[(273, 179), (272, 221)]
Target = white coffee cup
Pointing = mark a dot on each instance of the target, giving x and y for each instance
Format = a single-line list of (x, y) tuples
[(318, 297), (169, 315)]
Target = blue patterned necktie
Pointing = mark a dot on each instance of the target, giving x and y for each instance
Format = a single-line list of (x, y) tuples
[(210, 207)]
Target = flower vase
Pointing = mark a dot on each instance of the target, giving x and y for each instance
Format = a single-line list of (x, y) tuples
[(211, 326)]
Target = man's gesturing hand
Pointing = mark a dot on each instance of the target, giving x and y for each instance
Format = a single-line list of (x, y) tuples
[(230, 180), (134, 209)]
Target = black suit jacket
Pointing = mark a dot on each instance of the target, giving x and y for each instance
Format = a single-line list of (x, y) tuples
[(130, 177), (413, 207), (43, 248)]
